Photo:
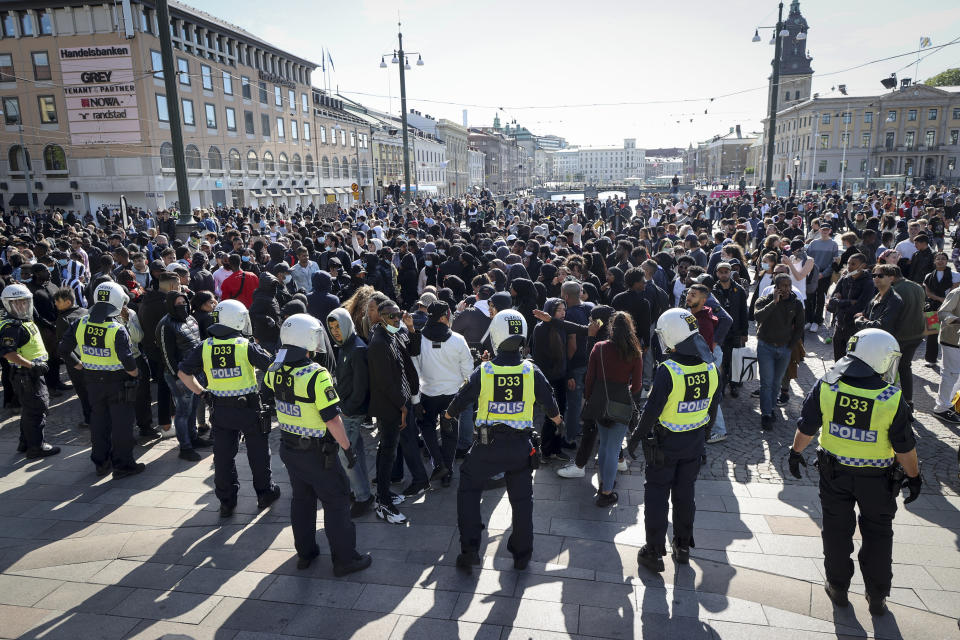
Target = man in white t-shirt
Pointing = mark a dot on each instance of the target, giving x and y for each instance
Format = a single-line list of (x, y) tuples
[(906, 247), (577, 229)]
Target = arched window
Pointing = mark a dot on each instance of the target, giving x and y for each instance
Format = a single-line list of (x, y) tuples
[(192, 155), (296, 165), (345, 165), (16, 158), (336, 167), (325, 167), (54, 159), (268, 162), (215, 159), (353, 168), (284, 164), (233, 159), (309, 164), (253, 165), (166, 156)]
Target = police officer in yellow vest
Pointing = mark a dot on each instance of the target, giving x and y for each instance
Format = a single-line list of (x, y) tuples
[(228, 362), (505, 390), (864, 426), (110, 372), (310, 431), (673, 427), (22, 347)]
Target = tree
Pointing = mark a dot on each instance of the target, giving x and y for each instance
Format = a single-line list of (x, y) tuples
[(948, 78)]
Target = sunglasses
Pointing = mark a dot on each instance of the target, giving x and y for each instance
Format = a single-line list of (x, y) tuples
[(877, 276), (392, 316)]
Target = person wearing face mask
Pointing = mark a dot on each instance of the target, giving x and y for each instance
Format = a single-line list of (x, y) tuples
[(46, 318), (763, 278), (178, 334), (850, 297)]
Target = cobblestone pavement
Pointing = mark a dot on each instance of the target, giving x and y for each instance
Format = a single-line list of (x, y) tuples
[(148, 557)]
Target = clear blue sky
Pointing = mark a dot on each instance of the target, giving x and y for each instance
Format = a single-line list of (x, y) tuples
[(516, 55)]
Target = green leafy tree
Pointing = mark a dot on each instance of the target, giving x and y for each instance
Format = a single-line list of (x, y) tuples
[(948, 78)]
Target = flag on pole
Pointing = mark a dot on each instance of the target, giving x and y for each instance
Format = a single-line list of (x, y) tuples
[(323, 59), (330, 59), (925, 42)]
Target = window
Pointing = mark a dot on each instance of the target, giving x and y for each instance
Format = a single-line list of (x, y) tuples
[(215, 159), (233, 160), (845, 139), (325, 167), (345, 166), (183, 71), (46, 24), (954, 134), (262, 91), (296, 166), (932, 114), (268, 162), (292, 99), (227, 83), (343, 138), (847, 117), (822, 166), (253, 164), (206, 79), (911, 115), (54, 159), (231, 119), (41, 65), (956, 113), (863, 166), (192, 156), (245, 87), (156, 62), (889, 141), (335, 171), (188, 115), (865, 140), (323, 135), (294, 133), (304, 103), (928, 139), (353, 139), (15, 157), (277, 95), (248, 122), (891, 116), (163, 113), (353, 169), (6, 68), (951, 164), (166, 156), (26, 24), (9, 26), (48, 109), (211, 113), (308, 161), (868, 117), (280, 131), (283, 165), (908, 139), (306, 131), (146, 25), (265, 125), (825, 141), (826, 118)]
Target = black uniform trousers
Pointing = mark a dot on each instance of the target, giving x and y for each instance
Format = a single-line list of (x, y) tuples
[(507, 453), (310, 481), (144, 417), (111, 421), (671, 481), (78, 379), (34, 404), (228, 423), (871, 494)]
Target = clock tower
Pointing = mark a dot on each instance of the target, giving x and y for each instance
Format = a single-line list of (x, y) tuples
[(796, 74)]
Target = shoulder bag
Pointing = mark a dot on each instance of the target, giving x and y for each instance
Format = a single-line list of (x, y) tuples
[(604, 409)]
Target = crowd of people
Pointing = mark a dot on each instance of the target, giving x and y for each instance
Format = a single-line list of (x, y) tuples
[(407, 296)]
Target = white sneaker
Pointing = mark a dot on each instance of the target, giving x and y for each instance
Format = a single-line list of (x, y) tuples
[(390, 513), (814, 327), (716, 437), (571, 471), (623, 465), (806, 327)]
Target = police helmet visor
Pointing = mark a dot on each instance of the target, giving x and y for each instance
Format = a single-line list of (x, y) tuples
[(20, 308)]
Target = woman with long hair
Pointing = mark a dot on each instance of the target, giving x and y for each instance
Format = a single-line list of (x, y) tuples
[(616, 365), (356, 305)]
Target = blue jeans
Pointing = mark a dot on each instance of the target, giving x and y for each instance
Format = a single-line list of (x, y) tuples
[(772, 362), (574, 405), (185, 411), (719, 424), (608, 453), (359, 476)]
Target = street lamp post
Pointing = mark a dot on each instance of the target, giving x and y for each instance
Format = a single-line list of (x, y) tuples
[(400, 59), (845, 141), (796, 168)]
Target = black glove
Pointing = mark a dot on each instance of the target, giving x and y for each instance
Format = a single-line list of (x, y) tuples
[(795, 461), (351, 457), (418, 410), (561, 426), (39, 369), (913, 484)]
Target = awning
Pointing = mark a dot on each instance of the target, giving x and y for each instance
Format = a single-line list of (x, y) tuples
[(256, 193), (58, 199), (272, 192), (314, 192), (286, 192), (327, 191), (341, 190), (301, 191), (18, 200)]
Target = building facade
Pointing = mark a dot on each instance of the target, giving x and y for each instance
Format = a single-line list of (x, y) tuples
[(454, 137), (606, 165), (431, 164), (476, 160)]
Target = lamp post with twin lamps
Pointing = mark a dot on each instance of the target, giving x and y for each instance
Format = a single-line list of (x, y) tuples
[(400, 59)]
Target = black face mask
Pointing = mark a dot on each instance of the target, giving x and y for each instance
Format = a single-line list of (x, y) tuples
[(180, 312)]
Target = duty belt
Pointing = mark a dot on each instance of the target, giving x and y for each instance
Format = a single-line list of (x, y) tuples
[(302, 443), (240, 402)]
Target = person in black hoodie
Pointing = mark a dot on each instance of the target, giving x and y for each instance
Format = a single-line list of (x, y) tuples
[(265, 312), (353, 388), (320, 301), (407, 277), (153, 307), (67, 313), (550, 355), (46, 318), (200, 278)]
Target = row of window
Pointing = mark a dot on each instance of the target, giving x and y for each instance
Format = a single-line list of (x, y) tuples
[(11, 20), (41, 67), (846, 117), (54, 159), (46, 104), (337, 168), (909, 140)]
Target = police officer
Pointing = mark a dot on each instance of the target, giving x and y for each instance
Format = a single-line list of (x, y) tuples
[(864, 425), (22, 346), (505, 390), (228, 362), (673, 428), (310, 430), (110, 372)]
